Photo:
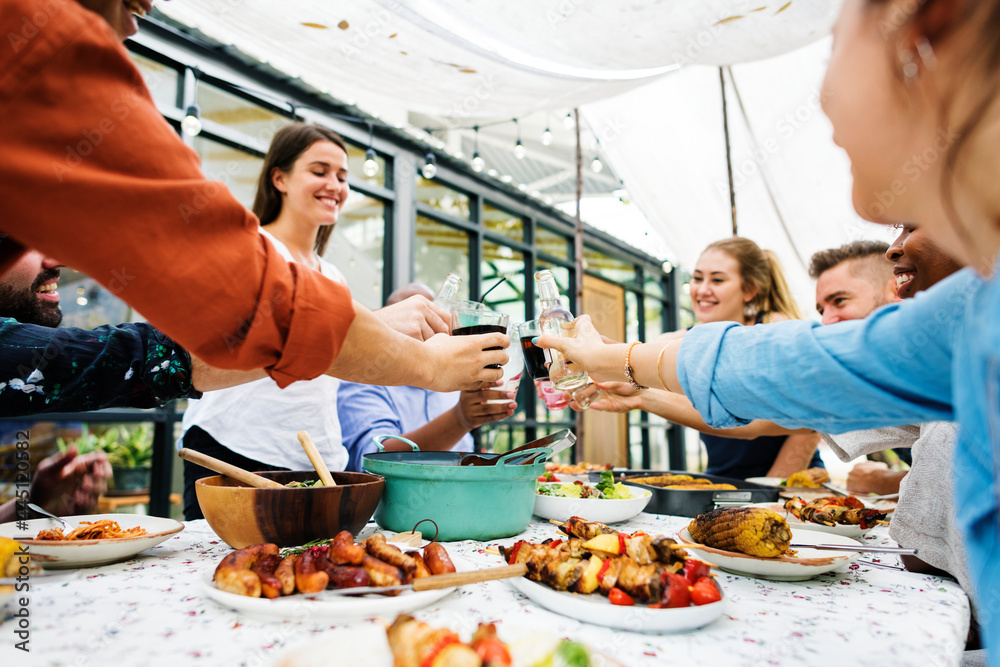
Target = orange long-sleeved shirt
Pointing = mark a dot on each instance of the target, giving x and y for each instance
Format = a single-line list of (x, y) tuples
[(92, 175)]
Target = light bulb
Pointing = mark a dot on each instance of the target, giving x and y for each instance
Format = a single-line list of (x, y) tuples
[(478, 163), (370, 167), (568, 121), (191, 125), (597, 166), (519, 150), (547, 137), (429, 170)]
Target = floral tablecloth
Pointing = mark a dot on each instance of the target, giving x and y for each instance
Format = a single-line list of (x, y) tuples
[(153, 610)]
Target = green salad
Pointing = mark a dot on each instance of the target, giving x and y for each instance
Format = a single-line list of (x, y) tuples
[(606, 489)]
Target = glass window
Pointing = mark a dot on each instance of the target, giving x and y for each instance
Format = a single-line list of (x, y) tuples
[(356, 157), (440, 250), (500, 261), (86, 304), (551, 243), (652, 283), (654, 318), (356, 247), (239, 114), (161, 80), (239, 171), (685, 313), (632, 317), (442, 198), (611, 268), (503, 223)]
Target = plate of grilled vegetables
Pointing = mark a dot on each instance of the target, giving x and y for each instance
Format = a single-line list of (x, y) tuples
[(837, 515), (261, 579), (408, 642), (632, 581), (754, 541), (606, 501)]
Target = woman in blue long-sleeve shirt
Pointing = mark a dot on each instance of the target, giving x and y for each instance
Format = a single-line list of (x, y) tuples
[(913, 92)]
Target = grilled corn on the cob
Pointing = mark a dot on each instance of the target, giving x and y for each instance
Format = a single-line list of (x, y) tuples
[(756, 531)]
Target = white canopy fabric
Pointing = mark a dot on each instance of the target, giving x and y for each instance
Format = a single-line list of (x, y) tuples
[(640, 72)]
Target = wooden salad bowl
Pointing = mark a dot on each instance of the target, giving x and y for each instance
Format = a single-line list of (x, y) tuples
[(242, 515)]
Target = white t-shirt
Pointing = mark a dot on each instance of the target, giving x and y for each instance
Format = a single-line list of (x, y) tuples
[(260, 421)]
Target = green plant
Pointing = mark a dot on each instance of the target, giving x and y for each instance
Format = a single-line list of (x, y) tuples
[(126, 446)]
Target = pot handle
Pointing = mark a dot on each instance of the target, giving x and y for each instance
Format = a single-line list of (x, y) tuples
[(524, 454), (379, 439)]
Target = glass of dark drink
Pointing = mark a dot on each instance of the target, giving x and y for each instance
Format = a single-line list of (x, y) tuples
[(534, 356), (473, 321)]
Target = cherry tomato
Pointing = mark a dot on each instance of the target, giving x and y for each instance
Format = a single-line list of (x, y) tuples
[(619, 597), (493, 653), (695, 569), (705, 591), (675, 591)]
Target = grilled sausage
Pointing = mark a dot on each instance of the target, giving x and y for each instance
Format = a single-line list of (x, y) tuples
[(347, 576), (422, 569), (379, 548), (270, 586), (309, 579), (234, 574), (343, 550), (382, 573), (285, 573), (437, 559)]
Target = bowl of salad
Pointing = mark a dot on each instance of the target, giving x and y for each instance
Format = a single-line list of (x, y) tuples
[(606, 501)]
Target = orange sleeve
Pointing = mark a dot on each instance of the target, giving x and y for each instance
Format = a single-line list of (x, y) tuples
[(93, 176)]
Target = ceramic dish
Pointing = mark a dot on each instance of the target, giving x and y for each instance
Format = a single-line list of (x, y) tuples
[(806, 564), (592, 509), (343, 608), (853, 531), (595, 608), (809, 495), (367, 646), (60, 555), (767, 481)]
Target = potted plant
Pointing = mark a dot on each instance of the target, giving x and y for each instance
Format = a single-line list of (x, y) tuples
[(129, 450)]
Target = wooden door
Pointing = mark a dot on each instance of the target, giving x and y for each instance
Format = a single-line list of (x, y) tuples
[(605, 434)]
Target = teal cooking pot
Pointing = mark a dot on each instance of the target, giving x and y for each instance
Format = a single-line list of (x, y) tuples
[(466, 502)]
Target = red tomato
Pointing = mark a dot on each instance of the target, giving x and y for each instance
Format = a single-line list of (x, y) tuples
[(705, 591), (604, 568), (513, 552), (695, 569), (621, 543), (675, 591), (493, 653), (619, 597)]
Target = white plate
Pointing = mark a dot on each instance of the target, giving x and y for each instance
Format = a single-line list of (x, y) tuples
[(343, 608), (593, 509), (58, 555), (844, 530), (597, 609), (806, 564), (366, 645), (767, 481)]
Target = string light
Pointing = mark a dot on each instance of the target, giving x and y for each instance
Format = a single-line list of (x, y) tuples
[(191, 125), (596, 165), (519, 150), (568, 121), (370, 168), (547, 137), (429, 170), (478, 163)]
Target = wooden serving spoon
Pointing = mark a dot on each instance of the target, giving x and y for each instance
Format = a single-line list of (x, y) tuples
[(223, 468), (317, 460)]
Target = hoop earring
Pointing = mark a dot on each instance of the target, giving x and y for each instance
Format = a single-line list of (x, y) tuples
[(910, 68)]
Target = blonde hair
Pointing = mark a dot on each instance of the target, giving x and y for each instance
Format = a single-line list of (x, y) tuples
[(760, 270)]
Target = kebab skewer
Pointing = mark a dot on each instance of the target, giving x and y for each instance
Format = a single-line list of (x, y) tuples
[(831, 511)]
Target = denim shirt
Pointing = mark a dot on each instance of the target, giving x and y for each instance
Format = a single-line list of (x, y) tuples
[(933, 358)]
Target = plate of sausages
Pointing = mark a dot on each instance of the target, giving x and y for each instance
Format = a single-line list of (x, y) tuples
[(262, 581)]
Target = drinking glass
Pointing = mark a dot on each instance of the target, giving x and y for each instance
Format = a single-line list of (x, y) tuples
[(535, 358), (512, 372), (472, 321)]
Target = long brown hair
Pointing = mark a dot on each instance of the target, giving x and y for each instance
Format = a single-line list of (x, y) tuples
[(288, 144), (760, 270)]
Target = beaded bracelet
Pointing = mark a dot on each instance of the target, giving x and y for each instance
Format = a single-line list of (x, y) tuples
[(629, 373)]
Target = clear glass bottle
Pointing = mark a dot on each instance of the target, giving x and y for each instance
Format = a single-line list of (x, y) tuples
[(564, 374), (449, 291)]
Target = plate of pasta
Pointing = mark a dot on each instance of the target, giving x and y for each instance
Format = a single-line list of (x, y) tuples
[(92, 540)]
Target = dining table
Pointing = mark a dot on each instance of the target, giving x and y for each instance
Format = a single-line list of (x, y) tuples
[(154, 609)]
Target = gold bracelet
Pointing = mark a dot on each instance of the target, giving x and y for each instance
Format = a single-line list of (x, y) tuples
[(658, 360), (629, 373)]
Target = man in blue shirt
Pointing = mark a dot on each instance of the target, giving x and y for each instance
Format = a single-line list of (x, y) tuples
[(434, 421)]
